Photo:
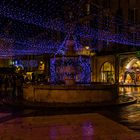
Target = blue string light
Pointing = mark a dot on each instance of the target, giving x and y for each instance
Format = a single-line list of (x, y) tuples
[(30, 18), (53, 77), (86, 69), (25, 46), (81, 65)]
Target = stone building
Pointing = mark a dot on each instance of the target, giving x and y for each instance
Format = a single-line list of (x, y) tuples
[(108, 32)]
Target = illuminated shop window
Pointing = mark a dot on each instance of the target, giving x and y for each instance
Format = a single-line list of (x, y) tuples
[(131, 72), (107, 73)]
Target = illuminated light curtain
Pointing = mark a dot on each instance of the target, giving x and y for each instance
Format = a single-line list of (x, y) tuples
[(81, 64), (31, 16)]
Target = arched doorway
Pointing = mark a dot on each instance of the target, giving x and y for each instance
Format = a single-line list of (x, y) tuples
[(131, 71), (107, 73)]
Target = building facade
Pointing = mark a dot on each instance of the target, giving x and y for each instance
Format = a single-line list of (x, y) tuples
[(106, 31)]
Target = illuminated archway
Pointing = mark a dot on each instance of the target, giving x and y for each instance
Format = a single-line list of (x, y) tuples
[(107, 73), (131, 71)]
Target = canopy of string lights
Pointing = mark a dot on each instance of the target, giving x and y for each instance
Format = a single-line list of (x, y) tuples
[(42, 27)]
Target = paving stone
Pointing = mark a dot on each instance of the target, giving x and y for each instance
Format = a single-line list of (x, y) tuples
[(65, 127)]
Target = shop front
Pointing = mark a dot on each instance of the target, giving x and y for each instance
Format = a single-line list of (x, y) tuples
[(130, 71)]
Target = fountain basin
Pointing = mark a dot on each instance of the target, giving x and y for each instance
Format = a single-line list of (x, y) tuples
[(69, 94)]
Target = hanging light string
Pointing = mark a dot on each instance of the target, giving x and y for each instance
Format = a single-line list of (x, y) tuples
[(23, 45), (58, 25)]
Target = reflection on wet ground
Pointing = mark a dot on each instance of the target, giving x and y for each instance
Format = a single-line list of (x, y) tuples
[(65, 127), (127, 115)]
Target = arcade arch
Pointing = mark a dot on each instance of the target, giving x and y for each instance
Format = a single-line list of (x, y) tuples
[(107, 73), (130, 72)]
